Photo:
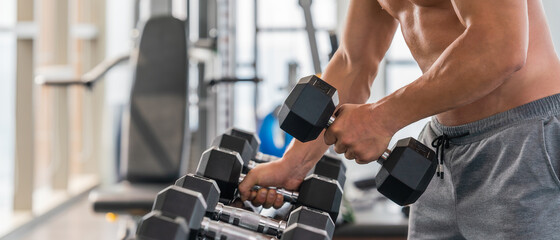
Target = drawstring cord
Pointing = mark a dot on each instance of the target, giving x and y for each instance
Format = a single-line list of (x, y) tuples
[(440, 143)]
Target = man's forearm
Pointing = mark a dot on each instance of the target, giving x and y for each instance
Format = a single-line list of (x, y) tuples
[(352, 79), (368, 33), (469, 69)]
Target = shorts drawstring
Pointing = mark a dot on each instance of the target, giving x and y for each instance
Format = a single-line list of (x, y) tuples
[(440, 143)]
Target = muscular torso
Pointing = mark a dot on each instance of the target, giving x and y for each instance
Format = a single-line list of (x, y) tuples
[(430, 26)]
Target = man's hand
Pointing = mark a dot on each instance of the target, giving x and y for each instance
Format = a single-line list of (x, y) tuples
[(358, 134), (275, 174)]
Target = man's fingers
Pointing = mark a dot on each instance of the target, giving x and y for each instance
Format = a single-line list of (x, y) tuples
[(339, 110), (360, 160), (245, 187), (261, 197), (270, 198), (349, 155), (363, 154), (340, 148), (329, 137), (253, 195), (279, 201)]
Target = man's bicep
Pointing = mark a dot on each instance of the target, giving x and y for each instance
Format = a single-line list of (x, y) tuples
[(368, 32), (495, 13), (502, 24)]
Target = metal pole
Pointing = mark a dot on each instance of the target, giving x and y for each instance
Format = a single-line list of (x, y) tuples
[(255, 58), (306, 5)]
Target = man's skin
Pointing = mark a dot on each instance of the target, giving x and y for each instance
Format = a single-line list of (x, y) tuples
[(478, 58)]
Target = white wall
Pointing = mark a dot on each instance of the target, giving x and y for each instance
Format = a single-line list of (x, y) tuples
[(7, 105)]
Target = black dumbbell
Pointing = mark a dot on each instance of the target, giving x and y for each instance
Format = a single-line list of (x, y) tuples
[(250, 220), (328, 166), (244, 148), (332, 167), (156, 226), (225, 166), (301, 231), (406, 170), (254, 142), (178, 202)]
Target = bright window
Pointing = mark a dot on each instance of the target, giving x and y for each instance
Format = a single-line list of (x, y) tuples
[(7, 104), (276, 49)]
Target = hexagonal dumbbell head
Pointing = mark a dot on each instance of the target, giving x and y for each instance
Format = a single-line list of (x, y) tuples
[(156, 226), (332, 167), (322, 193), (175, 201), (313, 218), (308, 108), (407, 171), (222, 166), (236, 144), (251, 137), (300, 231), (207, 187)]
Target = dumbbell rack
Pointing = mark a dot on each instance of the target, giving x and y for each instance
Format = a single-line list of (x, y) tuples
[(234, 222)]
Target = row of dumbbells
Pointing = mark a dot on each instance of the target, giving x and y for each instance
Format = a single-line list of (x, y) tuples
[(196, 207)]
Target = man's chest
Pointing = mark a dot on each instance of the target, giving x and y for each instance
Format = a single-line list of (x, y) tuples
[(397, 7)]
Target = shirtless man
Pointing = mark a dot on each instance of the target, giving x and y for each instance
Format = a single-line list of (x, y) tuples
[(490, 77)]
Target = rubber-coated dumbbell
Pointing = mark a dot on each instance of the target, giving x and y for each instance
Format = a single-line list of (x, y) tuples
[(328, 166), (406, 170), (332, 167), (251, 220), (178, 202), (254, 142), (156, 226), (225, 166)]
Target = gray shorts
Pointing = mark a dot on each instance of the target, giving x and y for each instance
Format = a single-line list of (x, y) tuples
[(500, 180)]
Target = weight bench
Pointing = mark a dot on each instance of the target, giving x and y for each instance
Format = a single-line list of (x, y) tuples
[(154, 125)]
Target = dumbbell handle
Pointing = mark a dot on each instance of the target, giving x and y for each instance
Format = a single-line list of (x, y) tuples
[(384, 156), (264, 158), (220, 230), (381, 159), (252, 164), (331, 121), (289, 196), (260, 158), (249, 220)]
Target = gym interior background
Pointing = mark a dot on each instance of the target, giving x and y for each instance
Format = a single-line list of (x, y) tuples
[(62, 113)]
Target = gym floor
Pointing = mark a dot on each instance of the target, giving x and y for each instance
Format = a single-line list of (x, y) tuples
[(76, 221)]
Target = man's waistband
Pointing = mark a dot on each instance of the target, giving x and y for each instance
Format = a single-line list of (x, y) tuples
[(544, 107)]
